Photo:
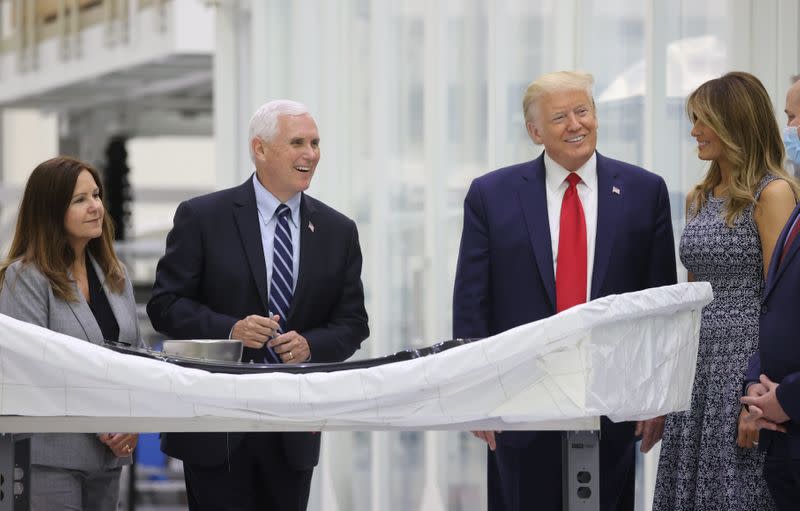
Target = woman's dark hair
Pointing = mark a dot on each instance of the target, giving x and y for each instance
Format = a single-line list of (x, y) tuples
[(40, 237)]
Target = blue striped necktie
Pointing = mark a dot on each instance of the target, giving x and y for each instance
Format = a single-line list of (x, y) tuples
[(280, 289)]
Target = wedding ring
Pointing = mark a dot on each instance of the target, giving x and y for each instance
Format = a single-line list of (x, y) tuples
[(755, 444), (291, 356)]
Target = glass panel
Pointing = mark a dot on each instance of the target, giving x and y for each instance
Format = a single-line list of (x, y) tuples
[(433, 96), (613, 51), (428, 137), (696, 53)]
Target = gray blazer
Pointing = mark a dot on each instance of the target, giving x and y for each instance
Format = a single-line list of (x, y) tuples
[(26, 295)]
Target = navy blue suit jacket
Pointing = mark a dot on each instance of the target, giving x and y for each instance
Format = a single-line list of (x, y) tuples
[(505, 277), (214, 273), (778, 354)]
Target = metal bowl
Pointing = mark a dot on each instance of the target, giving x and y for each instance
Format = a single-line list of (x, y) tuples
[(220, 350)]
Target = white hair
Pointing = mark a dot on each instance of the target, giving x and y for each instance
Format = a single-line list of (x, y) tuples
[(264, 123)]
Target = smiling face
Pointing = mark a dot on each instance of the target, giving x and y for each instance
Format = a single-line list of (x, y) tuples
[(565, 123), (83, 219), (285, 164), (709, 145)]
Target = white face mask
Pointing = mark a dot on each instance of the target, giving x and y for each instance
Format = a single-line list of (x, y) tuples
[(792, 142)]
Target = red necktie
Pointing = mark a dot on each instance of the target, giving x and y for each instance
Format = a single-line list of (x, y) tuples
[(571, 262), (789, 240)]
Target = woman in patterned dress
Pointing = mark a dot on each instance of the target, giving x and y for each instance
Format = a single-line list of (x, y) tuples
[(734, 216)]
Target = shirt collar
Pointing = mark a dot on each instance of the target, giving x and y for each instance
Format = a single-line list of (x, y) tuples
[(555, 174), (268, 203)]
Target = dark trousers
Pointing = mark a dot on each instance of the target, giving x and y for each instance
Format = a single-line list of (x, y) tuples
[(526, 478), (529, 478), (257, 478), (782, 475)]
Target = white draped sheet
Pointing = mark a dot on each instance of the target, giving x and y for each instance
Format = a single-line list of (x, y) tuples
[(629, 357)]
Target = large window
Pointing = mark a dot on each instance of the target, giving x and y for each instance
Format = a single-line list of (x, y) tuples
[(414, 99), (425, 96)]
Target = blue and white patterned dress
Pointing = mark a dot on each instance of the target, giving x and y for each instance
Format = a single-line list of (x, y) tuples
[(701, 467)]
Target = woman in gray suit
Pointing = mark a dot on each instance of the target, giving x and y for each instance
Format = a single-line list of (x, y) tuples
[(62, 273)]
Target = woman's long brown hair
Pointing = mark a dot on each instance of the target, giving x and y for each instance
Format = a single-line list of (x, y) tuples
[(737, 107), (40, 237)]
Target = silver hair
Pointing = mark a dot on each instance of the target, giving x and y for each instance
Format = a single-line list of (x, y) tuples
[(264, 123), (554, 82)]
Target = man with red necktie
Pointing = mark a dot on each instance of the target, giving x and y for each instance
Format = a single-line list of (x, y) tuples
[(773, 375), (542, 236)]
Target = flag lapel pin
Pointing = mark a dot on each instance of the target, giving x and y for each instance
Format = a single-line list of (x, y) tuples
[(615, 190), (310, 227)]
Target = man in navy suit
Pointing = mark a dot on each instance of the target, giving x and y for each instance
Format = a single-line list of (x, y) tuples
[(773, 375), (537, 241), (269, 265)]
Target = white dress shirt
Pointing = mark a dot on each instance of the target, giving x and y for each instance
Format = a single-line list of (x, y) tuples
[(556, 186)]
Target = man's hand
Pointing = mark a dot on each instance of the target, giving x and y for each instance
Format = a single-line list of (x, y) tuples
[(291, 347), (747, 436), (488, 437), (651, 432), (121, 444), (255, 330), (752, 420), (766, 403)]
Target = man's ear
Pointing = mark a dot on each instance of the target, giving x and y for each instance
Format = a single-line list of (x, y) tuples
[(258, 147), (533, 132)]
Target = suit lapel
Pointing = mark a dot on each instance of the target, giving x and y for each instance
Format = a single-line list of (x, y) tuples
[(776, 269), (609, 209), (84, 317), (309, 245), (245, 214), (532, 198)]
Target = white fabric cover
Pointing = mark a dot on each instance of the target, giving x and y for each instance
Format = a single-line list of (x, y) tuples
[(628, 356)]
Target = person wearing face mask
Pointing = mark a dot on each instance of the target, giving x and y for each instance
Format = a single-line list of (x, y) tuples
[(709, 457), (773, 377), (61, 273), (791, 133)]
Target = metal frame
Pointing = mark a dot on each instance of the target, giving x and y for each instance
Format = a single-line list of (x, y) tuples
[(15, 467), (581, 455), (581, 470)]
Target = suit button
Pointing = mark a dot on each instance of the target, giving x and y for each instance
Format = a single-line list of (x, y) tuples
[(764, 309)]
